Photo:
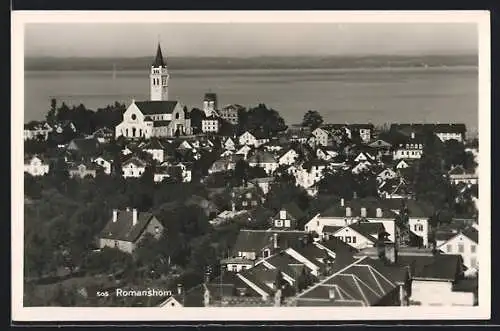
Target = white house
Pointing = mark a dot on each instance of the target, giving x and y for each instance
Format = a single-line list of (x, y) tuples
[(247, 139), (326, 154), (361, 167), (156, 149), (133, 167), (321, 136), (450, 131), (105, 163), (36, 166), (459, 175), (265, 160), (288, 158), (360, 235), (364, 156), (229, 144), (412, 149), (386, 174), (402, 164), (210, 125), (466, 244), (37, 130), (244, 150)]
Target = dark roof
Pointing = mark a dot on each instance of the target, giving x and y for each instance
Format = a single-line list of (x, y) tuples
[(256, 240), (159, 61), (444, 267), (362, 126), (84, 146), (472, 234), (465, 285), (156, 107), (293, 210), (338, 246), (123, 229), (210, 97), (370, 204), (161, 123), (331, 228), (368, 229), (153, 144)]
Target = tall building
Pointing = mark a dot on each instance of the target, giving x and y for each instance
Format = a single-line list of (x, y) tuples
[(159, 77), (210, 104), (158, 117)]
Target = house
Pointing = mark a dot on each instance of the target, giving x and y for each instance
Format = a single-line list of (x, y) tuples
[(85, 169), (185, 145), (263, 183), (395, 188), (309, 173), (264, 160), (230, 113), (287, 217), (359, 282), (402, 164), (326, 154), (103, 135), (246, 198), (229, 144), (133, 167), (159, 116), (244, 150), (210, 124), (225, 163), (36, 130), (364, 130), (155, 148), (363, 157), (36, 166), (210, 104), (253, 245), (459, 175), (321, 137), (411, 149), (247, 139), (105, 163), (346, 213), (386, 174), (127, 227), (456, 131), (86, 148), (288, 157), (361, 234), (274, 145), (381, 145), (464, 243), (361, 167)]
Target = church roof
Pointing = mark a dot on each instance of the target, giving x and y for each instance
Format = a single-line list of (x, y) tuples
[(156, 107), (159, 61)]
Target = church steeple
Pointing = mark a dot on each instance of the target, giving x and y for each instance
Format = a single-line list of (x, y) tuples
[(159, 61), (159, 77)]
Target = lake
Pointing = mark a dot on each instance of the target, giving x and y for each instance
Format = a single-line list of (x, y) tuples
[(445, 94)]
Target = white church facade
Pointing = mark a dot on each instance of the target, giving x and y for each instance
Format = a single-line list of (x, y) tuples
[(158, 117)]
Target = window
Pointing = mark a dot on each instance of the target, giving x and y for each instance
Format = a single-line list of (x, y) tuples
[(473, 248), (287, 223), (244, 203), (460, 248), (177, 116), (354, 239), (448, 248), (279, 223), (254, 203), (157, 229), (116, 243), (473, 262), (243, 267), (348, 239), (234, 267)]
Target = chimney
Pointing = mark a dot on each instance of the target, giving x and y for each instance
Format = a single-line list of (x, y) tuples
[(233, 206), (342, 202), (179, 288), (207, 277), (355, 195), (379, 212), (363, 212), (331, 293), (412, 135), (348, 212), (115, 215), (134, 217), (275, 240)]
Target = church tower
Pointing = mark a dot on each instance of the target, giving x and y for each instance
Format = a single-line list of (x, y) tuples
[(159, 78)]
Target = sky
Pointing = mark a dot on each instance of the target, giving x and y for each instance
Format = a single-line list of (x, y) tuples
[(248, 39)]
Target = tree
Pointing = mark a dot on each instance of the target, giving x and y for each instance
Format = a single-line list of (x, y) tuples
[(312, 119), (196, 115), (241, 172), (52, 113), (262, 119)]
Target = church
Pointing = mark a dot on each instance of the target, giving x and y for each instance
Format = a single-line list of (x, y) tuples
[(158, 117)]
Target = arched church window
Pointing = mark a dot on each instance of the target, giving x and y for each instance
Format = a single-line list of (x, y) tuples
[(177, 116), (133, 117), (133, 132)]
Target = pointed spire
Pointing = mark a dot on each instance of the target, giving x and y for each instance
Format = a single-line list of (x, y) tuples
[(159, 62)]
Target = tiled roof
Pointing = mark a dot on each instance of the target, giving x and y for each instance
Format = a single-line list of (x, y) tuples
[(472, 234), (123, 229), (338, 246), (262, 157), (368, 229), (156, 107), (371, 206), (256, 240)]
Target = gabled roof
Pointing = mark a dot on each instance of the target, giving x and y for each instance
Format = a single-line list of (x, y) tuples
[(153, 144), (459, 170), (256, 240), (370, 204), (262, 157), (443, 267), (135, 161), (292, 210), (368, 229), (84, 146), (123, 229), (156, 107)]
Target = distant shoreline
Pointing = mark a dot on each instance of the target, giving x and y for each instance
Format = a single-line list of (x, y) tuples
[(219, 63)]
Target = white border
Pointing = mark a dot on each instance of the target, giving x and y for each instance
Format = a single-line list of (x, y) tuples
[(19, 313)]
